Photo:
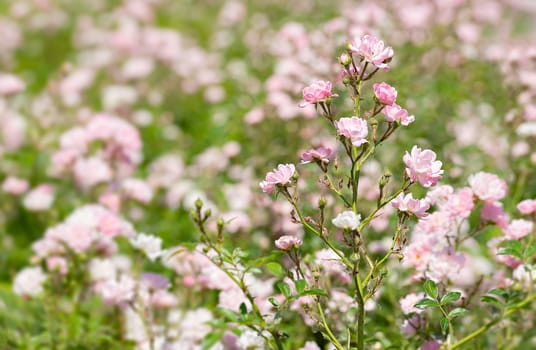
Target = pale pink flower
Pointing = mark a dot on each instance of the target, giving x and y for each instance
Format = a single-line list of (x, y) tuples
[(494, 212), (163, 299), (14, 185), (408, 204), (518, 229), (422, 166), (461, 203), (411, 325), (318, 91), (10, 84), (288, 242), (430, 345), (57, 263), (385, 93), (394, 113), (89, 172), (488, 187), (321, 153), (372, 50), (137, 190), (29, 282), (353, 128), (115, 292), (40, 198), (281, 176), (407, 303), (527, 206)]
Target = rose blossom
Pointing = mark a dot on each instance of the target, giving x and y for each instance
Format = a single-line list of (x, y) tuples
[(396, 113), (407, 303), (461, 203), (423, 167), (14, 185), (280, 176), (288, 242), (10, 84), (347, 220), (518, 229), (317, 92), (321, 153), (372, 50), (527, 206), (488, 187), (29, 281), (385, 93), (408, 204), (149, 244), (494, 212), (353, 128)]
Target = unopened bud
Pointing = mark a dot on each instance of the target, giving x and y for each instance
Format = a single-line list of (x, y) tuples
[(198, 203), (322, 202), (345, 59), (295, 176), (346, 80), (207, 213), (373, 122), (384, 180), (220, 223)]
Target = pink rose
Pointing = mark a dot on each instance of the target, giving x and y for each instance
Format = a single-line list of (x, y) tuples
[(280, 176), (317, 92), (423, 167), (385, 93), (353, 128)]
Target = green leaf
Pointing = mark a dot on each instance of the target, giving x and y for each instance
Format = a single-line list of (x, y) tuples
[(228, 314), (273, 301), (530, 251), (243, 309), (492, 300), (444, 324), (315, 291), (450, 297), (459, 311), (284, 289), (300, 286), (514, 248), (426, 303), (276, 269), (211, 339), (500, 292), (431, 289)]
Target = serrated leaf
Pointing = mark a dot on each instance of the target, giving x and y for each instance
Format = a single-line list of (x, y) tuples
[(444, 324), (459, 311), (284, 289), (450, 297), (514, 248), (431, 289), (426, 303), (300, 286), (315, 291)]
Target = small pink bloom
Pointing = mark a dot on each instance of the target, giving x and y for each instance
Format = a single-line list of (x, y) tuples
[(431, 345), (408, 204), (488, 187), (407, 303), (461, 203), (118, 292), (528, 206), (14, 185), (518, 229), (423, 167), (493, 211), (280, 176), (396, 113), (40, 198), (56, 263), (353, 128), (385, 93), (321, 153), (288, 242), (317, 92), (10, 84), (372, 50)]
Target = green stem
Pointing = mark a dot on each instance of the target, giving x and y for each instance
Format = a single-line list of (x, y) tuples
[(328, 331), (492, 323)]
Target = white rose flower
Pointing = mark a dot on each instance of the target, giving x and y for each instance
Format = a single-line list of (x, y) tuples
[(347, 220), (149, 244)]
